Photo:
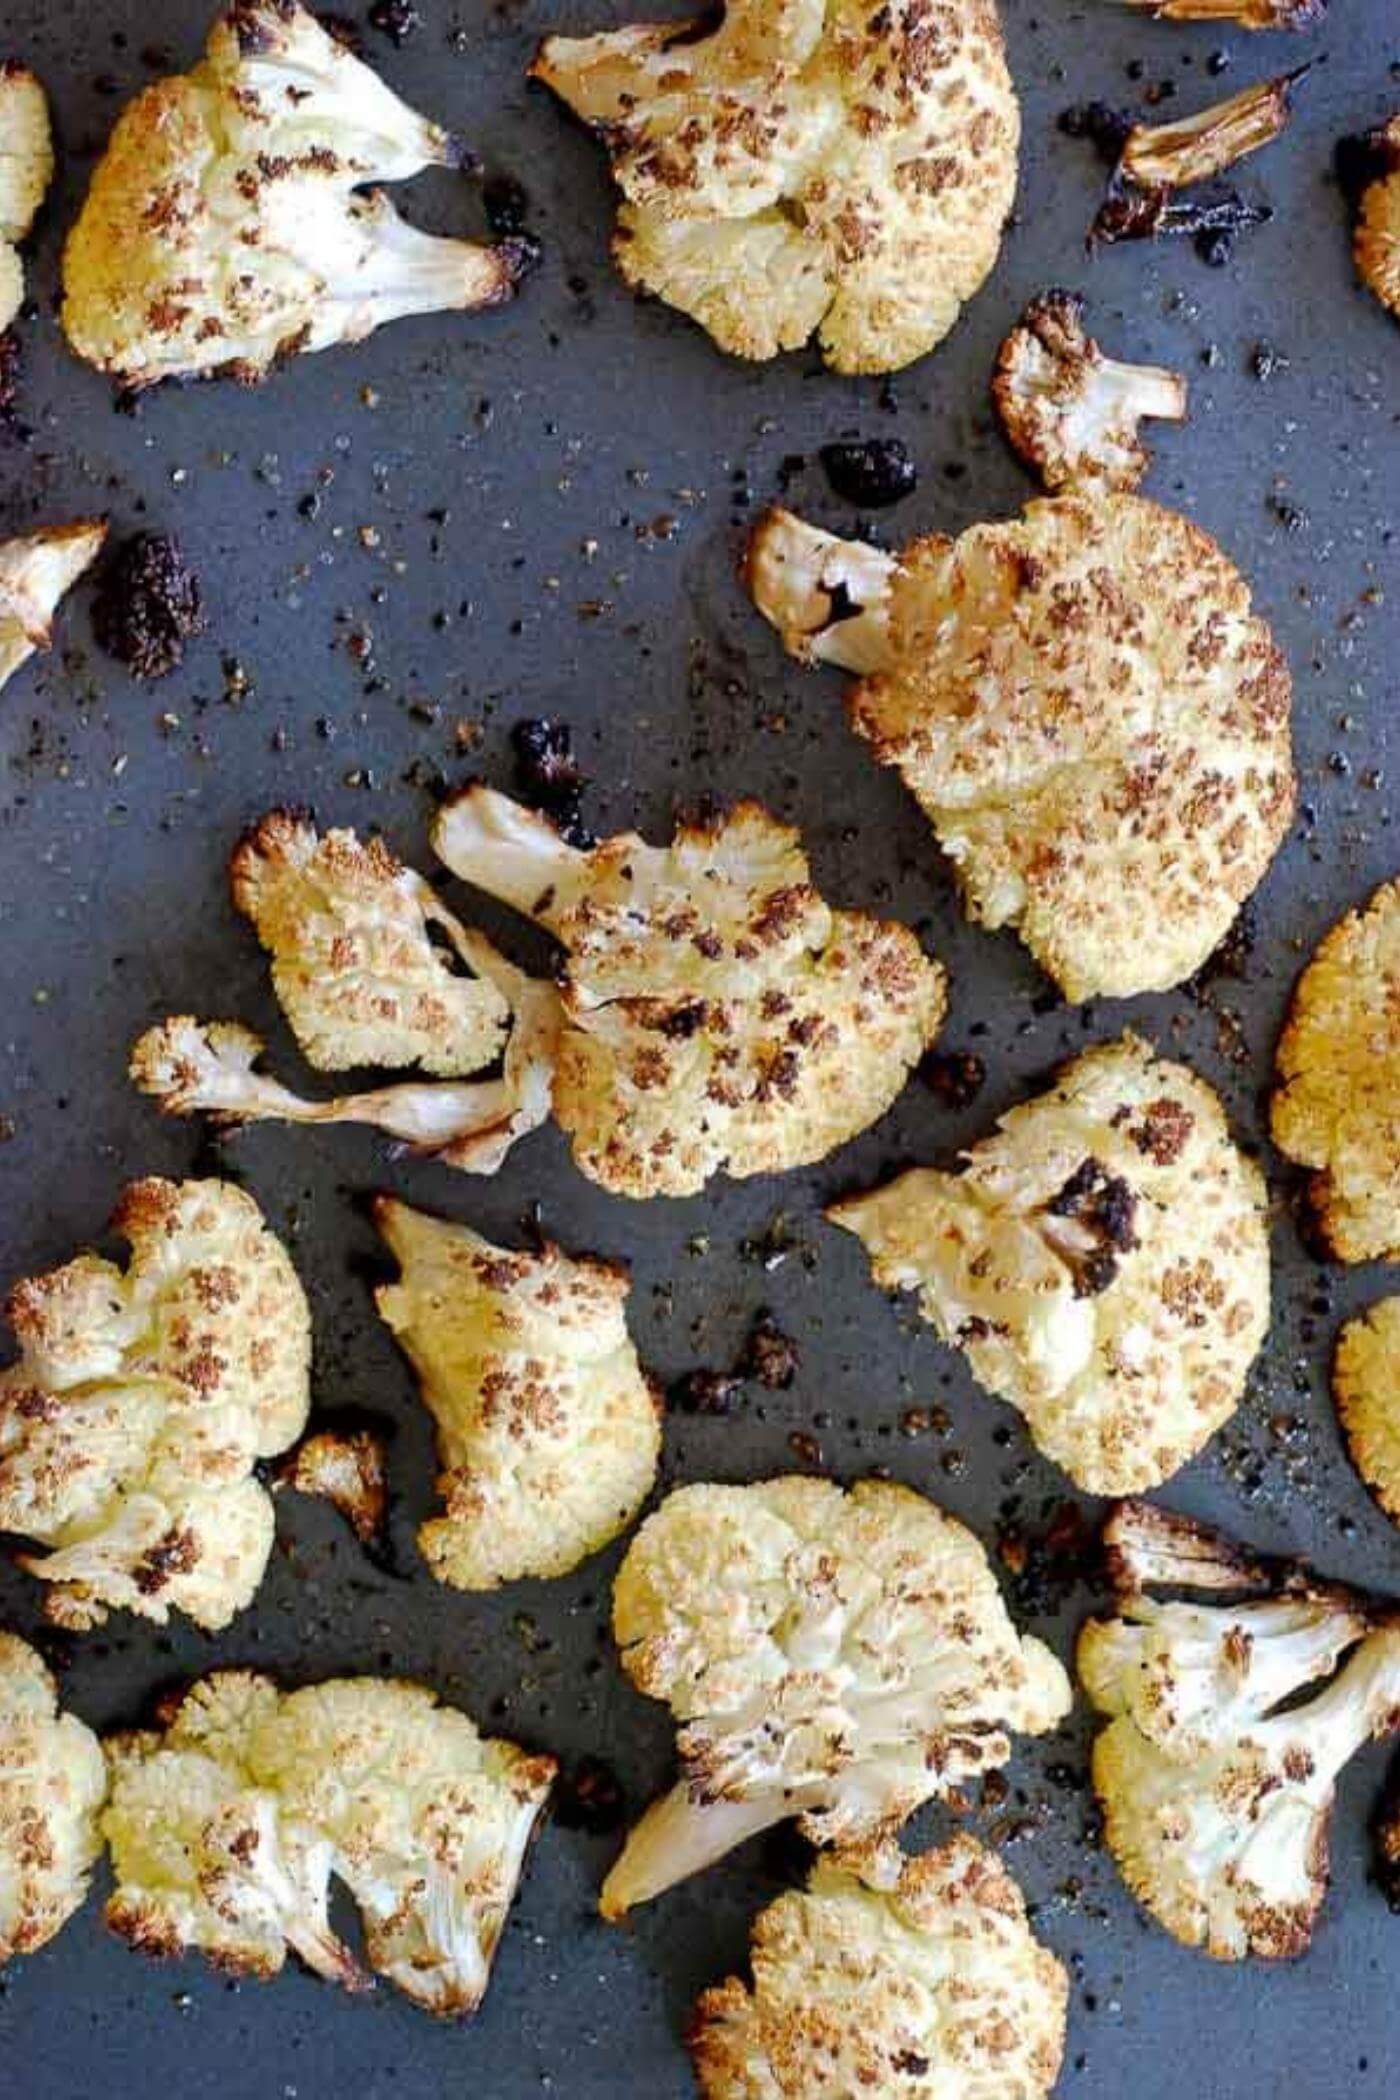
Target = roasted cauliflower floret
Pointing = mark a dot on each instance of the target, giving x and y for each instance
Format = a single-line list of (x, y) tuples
[(225, 227), (35, 572), (1102, 1260), (805, 166), (348, 1469), (1071, 412), (1366, 1389), (26, 170), (53, 1780), (1376, 243), (548, 1431), (838, 1657), (226, 1827), (894, 1978), (1092, 718), (717, 1013), (141, 1403)]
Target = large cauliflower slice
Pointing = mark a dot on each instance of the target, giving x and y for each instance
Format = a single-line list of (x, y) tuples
[(226, 1827), (892, 1978), (1084, 704), (53, 1780), (1366, 1389), (26, 170), (132, 1424), (1102, 1259), (806, 165), (1336, 1104), (224, 228), (717, 1013), (836, 1656), (548, 1431), (35, 572)]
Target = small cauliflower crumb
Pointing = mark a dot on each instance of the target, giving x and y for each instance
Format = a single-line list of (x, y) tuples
[(1366, 1390), (1071, 412), (26, 170), (348, 1470), (1376, 242), (35, 572), (53, 1781)]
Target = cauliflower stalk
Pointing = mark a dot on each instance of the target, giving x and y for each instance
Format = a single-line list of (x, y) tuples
[(26, 170), (35, 572), (1192, 149), (53, 1781), (1071, 412)]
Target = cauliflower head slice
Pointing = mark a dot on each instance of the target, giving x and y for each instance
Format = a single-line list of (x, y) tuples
[(225, 228), (1376, 243), (837, 1656), (1101, 1259), (53, 1780), (897, 1978), (549, 1432), (1366, 1389), (717, 1013), (26, 170), (806, 167), (35, 573), (1070, 411), (1091, 716), (132, 1423)]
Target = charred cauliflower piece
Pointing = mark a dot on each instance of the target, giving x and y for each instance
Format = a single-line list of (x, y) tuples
[(717, 1014), (35, 572), (1102, 1260), (1090, 715), (1071, 412), (1377, 239), (26, 170), (1192, 149), (1245, 14), (225, 228), (1366, 1389), (900, 1979), (838, 1657), (142, 1400), (53, 1780), (226, 1828), (805, 166), (548, 1431)]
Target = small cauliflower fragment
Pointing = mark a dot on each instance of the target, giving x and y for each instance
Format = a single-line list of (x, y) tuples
[(841, 1657), (1192, 149), (1366, 1390), (225, 228), (1376, 243), (805, 166), (53, 1781), (346, 1469), (26, 170), (1102, 1260), (548, 1430), (892, 1978), (1071, 412), (35, 572), (1245, 14), (227, 1825), (131, 1426)]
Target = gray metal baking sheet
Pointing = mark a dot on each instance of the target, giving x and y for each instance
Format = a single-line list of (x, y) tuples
[(406, 548)]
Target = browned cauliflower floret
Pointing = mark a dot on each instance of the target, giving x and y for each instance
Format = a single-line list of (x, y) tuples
[(1071, 412), (892, 1978), (53, 1780), (839, 1657), (26, 170), (1366, 1389), (1102, 1259), (717, 1013), (348, 1470), (225, 226), (548, 1430), (1245, 14), (226, 1828), (806, 165), (1081, 699), (142, 1400), (35, 572), (1377, 239)]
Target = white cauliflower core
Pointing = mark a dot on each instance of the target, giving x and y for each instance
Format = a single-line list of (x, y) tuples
[(224, 228), (1102, 1260), (142, 1400), (35, 573), (1071, 412), (892, 1978), (1366, 1389), (838, 1657), (1090, 715), (1376, 243), (26, 170), (227, 1826), (52, 1783), (807, 165), (548, 1431), (716, 1012)]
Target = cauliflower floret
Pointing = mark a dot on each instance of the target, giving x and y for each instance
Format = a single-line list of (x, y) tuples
[(839, 1657), (1366, 1389), (1086, 708), (348, 1469), (35, 572), (1376, 243), (893, 1978), (226, 1828), (53, 1780), (548, 1430), (26, 170), (142, 1400), (1102, 1259), (1069, 411), (806, 165), (224, 228), (716, 1012)]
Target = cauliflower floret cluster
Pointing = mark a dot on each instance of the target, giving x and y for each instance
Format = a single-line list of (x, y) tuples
[(893, 1978), (35, 572), (1366, 1389), (225, 230), (227, 1826), (131, 1426), (548, 1431), (1094, 721), (809, 165), (1376, 243), (841, 1657), (53, 1780), (1071, 412), (26, 170), (1102, 1259)]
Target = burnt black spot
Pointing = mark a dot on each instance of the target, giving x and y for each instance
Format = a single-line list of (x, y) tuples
[(147, 605), (588, 1796), (1104, 1206), (955, 1077), (396, 19), (706, 1393), (870, 472), (1105, 127), (770, 1356), (550, 777), (507, 205)]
